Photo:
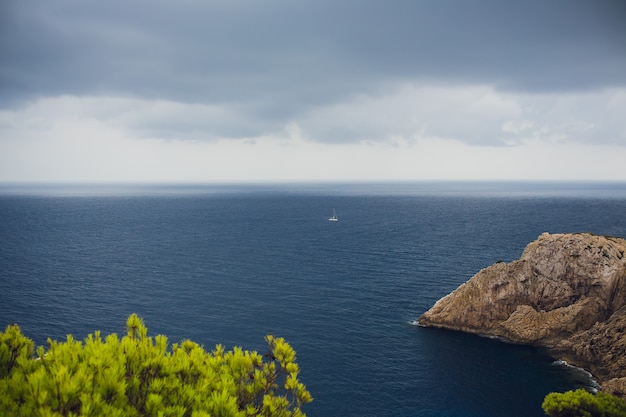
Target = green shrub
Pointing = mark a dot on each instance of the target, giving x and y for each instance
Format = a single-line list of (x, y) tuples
[(581, 403), (138, 375)]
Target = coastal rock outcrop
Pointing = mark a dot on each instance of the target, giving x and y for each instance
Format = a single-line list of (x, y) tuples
[(566, 292)]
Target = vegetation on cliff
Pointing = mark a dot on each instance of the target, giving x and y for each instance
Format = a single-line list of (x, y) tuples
[(138, 375)]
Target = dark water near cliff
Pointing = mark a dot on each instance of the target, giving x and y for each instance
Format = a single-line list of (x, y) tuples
[(230, 264)]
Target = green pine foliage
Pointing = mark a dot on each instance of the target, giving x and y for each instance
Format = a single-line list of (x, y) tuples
[(138, 375), (581, 403)]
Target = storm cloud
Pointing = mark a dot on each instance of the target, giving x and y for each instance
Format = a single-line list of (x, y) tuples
[(482, 72)]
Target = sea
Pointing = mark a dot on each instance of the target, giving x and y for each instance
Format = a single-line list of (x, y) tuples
[(230, 263)]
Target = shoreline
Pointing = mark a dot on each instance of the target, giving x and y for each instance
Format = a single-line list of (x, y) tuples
[(591, 382), (594, 384)]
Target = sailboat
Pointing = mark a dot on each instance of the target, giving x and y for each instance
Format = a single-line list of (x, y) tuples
[(334, 217)]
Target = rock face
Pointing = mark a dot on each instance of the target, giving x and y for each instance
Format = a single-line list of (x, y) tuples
[(567, 292)]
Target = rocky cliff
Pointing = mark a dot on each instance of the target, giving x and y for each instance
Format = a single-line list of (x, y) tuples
[(566, 292)]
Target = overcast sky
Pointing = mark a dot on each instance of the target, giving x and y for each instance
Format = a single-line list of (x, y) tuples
[(234, 90)]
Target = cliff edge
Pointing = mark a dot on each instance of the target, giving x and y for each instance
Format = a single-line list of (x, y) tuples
[(566, 292)]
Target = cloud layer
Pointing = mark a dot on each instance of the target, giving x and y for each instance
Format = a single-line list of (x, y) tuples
[(360, 74)]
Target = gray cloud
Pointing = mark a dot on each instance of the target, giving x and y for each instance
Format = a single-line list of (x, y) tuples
[(269, 63)]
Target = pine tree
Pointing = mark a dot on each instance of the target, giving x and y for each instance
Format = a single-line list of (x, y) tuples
[(581, 403), (138, 375)]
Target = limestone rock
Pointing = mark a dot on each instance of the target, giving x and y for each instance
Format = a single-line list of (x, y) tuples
[(601, 348), (566, 290), (615, 386)]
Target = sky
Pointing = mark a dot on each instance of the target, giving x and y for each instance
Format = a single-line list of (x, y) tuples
[(277, 90)]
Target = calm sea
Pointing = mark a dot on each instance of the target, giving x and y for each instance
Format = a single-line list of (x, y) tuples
[(229, 264)]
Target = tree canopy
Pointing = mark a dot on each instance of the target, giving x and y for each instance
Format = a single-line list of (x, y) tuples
[(138, 375), (581, 403)]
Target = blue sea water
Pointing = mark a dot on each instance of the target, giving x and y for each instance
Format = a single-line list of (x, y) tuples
[(231, 263)]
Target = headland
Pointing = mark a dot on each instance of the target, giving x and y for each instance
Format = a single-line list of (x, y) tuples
[(566, 292)]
